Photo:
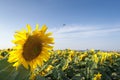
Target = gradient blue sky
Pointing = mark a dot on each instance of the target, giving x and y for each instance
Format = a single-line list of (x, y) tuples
[(88, 23)]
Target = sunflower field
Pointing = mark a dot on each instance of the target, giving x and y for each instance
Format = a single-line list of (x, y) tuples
[(33, 58)]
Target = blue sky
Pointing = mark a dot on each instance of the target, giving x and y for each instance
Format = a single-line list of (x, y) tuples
[(76, 24)]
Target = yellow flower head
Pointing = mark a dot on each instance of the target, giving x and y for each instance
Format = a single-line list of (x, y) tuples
[(92, 50), (97, 76), (65, 66), (45, 71), (95, 58), (83, 56), (32, 47), (103, 57), (71, 55)]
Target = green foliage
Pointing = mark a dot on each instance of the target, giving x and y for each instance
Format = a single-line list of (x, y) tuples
[(67, 65), (8, 72)]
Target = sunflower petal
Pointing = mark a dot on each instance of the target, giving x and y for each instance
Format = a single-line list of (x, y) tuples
[(29, 28), (44, 28), (37, 27)]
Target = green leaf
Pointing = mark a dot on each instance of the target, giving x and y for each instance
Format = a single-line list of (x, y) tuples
[(23, 74), (40, 78), (8, 72)]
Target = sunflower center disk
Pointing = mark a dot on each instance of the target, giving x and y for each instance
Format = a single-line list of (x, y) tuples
[(32, 48)]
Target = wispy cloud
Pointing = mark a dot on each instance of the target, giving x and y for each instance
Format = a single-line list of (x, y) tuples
[(86, 37), (83, 31)]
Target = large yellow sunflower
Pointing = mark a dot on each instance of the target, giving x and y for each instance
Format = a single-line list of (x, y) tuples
[(32, 47)]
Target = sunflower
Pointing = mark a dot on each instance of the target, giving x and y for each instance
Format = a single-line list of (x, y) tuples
[(31, 47), (97, 76), (95, 58)]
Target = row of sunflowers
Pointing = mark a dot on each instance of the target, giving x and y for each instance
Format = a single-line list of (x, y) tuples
[(67, 65), (33, 58)]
